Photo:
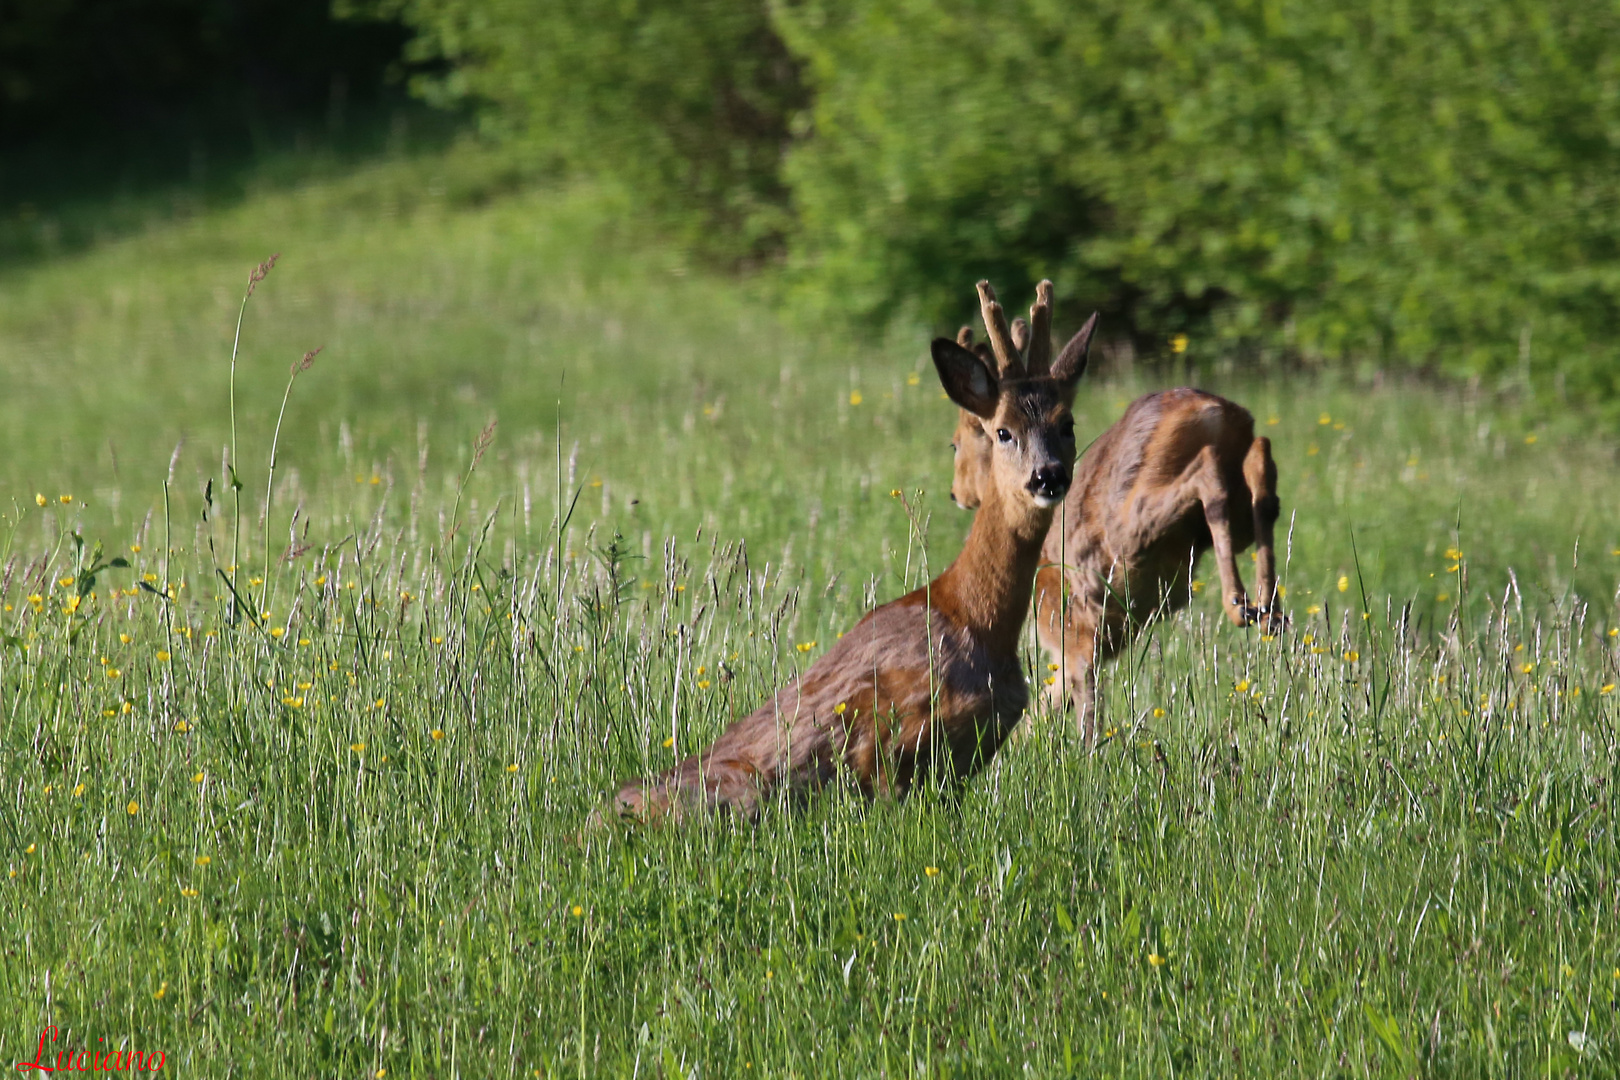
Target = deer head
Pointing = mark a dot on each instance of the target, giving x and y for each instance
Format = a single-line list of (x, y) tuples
[(1014, 429), (1015, 433)]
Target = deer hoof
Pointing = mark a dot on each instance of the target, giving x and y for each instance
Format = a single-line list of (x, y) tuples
[(1270, 619)]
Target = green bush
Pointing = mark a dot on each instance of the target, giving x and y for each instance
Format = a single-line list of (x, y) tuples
[(687, 102), (1432, 184)]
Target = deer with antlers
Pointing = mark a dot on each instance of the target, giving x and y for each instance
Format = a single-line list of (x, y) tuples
[(930, 683), (1180, 473)]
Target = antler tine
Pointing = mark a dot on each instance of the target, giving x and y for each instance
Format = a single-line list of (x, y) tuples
[(964, 338), (1020, 334), (1040, 331), (1011, 364)]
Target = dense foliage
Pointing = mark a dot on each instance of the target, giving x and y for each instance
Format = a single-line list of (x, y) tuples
[(1424, 184), (687, 102), (1429, 183)]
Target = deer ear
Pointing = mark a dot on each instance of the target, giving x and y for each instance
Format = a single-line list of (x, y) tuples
[(968, 382), (1071, 362)]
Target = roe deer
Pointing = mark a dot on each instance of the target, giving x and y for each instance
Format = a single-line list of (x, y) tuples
[(931, 682), (1179, 473)]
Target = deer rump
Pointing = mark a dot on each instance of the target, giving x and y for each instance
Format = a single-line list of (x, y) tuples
[(880, 712)]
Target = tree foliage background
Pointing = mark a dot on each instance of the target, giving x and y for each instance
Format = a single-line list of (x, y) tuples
[(1374, 182)]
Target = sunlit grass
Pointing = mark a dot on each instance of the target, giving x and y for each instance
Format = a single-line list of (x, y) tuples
[(328, 823)]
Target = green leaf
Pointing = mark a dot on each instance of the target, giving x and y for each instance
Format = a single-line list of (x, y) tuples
[(1388, 1032)]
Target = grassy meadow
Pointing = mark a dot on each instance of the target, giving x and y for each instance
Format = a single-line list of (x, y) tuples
[(296, 792)]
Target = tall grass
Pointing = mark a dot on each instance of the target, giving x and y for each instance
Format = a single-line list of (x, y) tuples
[(335, 831)]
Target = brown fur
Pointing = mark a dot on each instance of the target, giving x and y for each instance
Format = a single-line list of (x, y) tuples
[(929, 684), (1181, 472)]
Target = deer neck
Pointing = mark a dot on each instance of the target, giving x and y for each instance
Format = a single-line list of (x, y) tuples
[(987, 588)]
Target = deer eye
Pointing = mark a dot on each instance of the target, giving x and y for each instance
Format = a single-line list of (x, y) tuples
[(1067, 427), (1004, 435), (953, 448)]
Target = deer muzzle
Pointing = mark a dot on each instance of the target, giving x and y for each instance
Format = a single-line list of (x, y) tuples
[(1049, 484)]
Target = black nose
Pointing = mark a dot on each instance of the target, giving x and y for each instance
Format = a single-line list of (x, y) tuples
[(1051, 482)]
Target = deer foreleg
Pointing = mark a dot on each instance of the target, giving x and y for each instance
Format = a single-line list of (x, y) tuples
[(1067, 629)]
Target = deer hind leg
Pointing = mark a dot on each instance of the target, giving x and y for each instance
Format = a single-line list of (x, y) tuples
[(1217, 500), (1200, 484), (1260, 473)]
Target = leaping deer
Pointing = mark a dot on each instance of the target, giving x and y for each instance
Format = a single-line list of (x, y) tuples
[(930, 681), (1179, 473)]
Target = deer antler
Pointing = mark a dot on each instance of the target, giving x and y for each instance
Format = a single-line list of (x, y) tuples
[(1039, 357), (1020, 333), (1008, 360), (964, 338)]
